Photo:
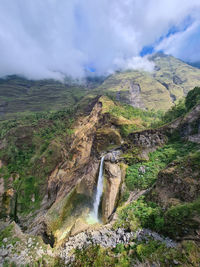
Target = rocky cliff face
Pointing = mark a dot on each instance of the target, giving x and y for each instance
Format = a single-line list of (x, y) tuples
[(69, 189), (177, 184), (113, 179), (71, 185), (76, 178)]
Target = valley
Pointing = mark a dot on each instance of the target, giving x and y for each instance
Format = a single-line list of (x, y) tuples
[(105, 174)]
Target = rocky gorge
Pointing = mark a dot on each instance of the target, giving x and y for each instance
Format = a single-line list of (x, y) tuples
[(53, 231)]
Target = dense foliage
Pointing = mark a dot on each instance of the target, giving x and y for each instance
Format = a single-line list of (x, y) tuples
[(180, 218), (140, 214), (177, 110), (32, 149), (139, 253), (182, 106), (143, 174), (151, 119), (192, 98), (137, 119)]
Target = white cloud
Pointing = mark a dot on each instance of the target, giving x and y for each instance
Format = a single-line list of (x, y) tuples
[(134, 63), (184, 45), (51, 39)]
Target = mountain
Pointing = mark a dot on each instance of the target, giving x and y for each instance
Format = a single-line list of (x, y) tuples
[(19, 95), (171, 80), (96, 181), (50, 170)]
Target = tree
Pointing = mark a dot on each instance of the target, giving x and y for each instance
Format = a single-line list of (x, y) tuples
[(192, 98)]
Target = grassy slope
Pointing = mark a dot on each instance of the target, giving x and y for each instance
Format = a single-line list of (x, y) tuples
[(18, 95), (171, 80)]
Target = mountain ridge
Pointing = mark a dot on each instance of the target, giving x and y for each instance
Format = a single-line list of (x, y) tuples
[(49, 166), (170, 81)]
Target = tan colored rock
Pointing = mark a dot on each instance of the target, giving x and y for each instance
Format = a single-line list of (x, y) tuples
[(1, 187), (79, 226), (105, 137), (74, 167), (6, 202), (113, 178), (1, 164)]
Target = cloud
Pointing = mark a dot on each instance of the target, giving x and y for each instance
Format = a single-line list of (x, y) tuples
[(52, 39), (184, 45), (134, 63)]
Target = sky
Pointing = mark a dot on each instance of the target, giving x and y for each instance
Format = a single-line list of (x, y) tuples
[(58, 38)]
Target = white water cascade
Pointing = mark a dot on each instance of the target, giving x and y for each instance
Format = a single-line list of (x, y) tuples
[(99, 190)]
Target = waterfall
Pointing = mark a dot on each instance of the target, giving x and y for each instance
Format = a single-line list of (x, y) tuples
[(99, 190)]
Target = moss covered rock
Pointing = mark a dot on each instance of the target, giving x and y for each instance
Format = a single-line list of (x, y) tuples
[(107, 138)]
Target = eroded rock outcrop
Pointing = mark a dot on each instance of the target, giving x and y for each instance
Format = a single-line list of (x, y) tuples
[(177, 183), (71, 185), (113, 179), (148, 138)]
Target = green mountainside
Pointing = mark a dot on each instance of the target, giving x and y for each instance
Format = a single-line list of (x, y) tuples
[(18, 95), (53, 137), (49, 164), (170, 81)]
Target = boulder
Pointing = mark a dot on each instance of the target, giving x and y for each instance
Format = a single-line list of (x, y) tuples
[(79, 226)]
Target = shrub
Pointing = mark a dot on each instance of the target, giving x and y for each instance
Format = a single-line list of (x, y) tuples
[(175, 111), (192, 98), (159, 159), (140, 214), (179, 219)]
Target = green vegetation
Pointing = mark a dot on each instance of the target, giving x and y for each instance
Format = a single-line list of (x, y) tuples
[(32, 149), (159, 89), (182, 106), (143, 174), (174, 222), (182, 218), (132, 119), (19, 96), (177, 110), (70, 208), (56, 122), (12, 237), (193, 98), (129, 112), (151, 252), (140, 214), (7, 232)]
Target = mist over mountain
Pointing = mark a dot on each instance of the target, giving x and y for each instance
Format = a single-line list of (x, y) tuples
[(169, 81), (47, 39), (99, 133)]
